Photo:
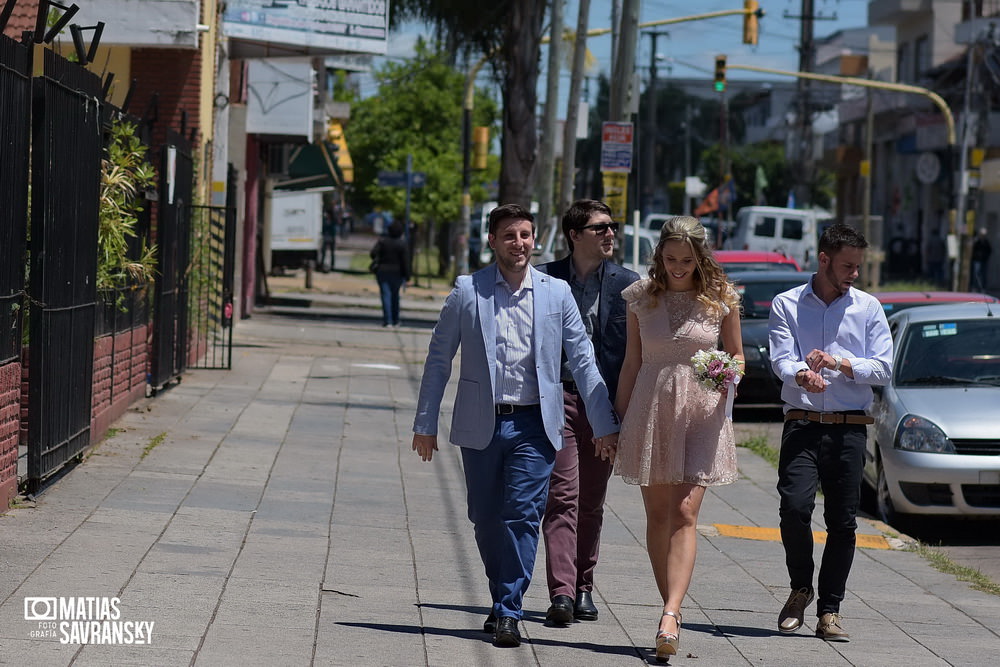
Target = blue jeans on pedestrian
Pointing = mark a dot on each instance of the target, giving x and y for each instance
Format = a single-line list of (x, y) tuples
[(507, 484), (389, 285), (830, 457), (979, 277)]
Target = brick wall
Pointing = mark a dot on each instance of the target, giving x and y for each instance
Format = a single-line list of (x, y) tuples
[(120, 367), (10, 426), (174, 75)]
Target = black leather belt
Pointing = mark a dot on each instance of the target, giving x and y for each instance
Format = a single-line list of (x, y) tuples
[(570, 386), (509, 409), (829, 417)]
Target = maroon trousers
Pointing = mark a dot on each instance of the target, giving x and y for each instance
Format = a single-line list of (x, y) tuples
[(575, 508)]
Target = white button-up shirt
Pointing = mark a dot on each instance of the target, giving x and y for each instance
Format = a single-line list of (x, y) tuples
[(516, 378), (853, 326)]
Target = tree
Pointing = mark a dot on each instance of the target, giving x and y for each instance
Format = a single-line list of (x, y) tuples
[(509, 33), (417, 111)]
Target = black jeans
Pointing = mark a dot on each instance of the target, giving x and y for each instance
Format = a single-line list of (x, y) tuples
[(830, 456)]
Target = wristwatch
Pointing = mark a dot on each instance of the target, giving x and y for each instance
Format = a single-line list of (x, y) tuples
[(837, 361)]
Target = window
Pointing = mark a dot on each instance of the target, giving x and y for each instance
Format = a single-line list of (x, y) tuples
[(903, 63), (791, 228), (765, 226), (921, 56)]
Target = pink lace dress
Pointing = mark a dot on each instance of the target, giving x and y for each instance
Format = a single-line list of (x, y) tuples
[(675, 430)]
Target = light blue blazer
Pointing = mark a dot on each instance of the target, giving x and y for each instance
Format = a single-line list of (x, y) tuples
[(467, 320)]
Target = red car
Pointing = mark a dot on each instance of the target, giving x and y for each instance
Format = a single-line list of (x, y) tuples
[(893, 302), (753, 260)]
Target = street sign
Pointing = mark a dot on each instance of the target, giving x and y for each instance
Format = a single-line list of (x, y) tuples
[(397, 179), (616, 147)]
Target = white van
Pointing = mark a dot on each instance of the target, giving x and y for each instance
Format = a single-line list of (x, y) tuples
[(789, 231)]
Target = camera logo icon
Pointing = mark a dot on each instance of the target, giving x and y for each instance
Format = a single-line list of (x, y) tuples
[(40, 609)]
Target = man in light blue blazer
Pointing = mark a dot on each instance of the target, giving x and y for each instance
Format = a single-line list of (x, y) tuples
[(512, 324)]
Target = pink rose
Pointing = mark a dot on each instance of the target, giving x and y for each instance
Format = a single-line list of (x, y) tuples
[(715, 366)]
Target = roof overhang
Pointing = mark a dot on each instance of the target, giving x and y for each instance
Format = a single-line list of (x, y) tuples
[(275, 28)]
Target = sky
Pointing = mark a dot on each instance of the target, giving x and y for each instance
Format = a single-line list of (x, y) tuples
[(690, 49)]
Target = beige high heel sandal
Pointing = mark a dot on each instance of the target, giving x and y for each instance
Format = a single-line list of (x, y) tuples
[(667, 643)]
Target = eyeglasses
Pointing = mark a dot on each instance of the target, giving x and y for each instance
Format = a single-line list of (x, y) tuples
[(603, 227)]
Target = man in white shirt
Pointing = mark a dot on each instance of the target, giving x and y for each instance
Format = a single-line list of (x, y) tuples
[(829, 343)]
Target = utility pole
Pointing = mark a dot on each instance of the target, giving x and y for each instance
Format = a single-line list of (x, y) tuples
[(566, 190), (624, 61), (803, 122), (651, 133), (546, 147), (687, 156)]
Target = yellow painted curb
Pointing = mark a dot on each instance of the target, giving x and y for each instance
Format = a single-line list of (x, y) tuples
[(864, 541)]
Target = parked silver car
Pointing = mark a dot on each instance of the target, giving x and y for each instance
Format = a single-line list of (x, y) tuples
[(935, 444)]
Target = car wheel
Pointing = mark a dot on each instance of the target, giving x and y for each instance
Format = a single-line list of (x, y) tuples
[(884, 508)]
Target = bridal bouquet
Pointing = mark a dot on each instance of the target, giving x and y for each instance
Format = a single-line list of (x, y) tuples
[(716, 369)]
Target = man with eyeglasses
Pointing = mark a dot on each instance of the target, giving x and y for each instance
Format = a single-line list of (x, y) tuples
[(574, 512), (516, 327)]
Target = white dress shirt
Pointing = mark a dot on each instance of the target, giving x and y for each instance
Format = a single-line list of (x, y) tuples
[(516, 379), (853, 326)]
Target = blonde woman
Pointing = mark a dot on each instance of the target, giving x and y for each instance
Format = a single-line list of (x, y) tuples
[(676, 439)]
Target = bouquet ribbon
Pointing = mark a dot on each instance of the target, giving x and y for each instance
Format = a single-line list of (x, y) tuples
[(731, 397)]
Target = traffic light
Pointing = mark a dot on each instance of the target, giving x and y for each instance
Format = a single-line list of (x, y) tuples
[(720, 74), (751, 19)]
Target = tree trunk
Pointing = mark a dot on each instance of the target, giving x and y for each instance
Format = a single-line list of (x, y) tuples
[(520, 52)]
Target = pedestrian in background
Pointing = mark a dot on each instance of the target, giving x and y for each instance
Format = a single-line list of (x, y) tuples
[(391, 265), (574, 512), (329, 248), (676, 439), (830, 344), (981, 251), (512, 324)]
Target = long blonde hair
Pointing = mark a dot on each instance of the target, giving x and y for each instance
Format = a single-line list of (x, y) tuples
[(713, 288)]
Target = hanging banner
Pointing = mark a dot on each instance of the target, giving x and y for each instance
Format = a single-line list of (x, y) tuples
[(616, 194)]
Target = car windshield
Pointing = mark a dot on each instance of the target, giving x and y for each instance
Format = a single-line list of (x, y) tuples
[(757, 296), (949, 352)]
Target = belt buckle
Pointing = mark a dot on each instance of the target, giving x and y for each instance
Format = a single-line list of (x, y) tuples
[(505, 409), (833, 418)]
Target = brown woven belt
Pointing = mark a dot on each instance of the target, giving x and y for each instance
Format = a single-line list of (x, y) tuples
[(828, 417)]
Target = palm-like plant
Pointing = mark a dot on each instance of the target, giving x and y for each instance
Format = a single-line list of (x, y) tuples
[(125, 175)]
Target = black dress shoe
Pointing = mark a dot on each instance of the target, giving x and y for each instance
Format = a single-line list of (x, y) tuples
[(561, 611), (584, 609), (507, 633), (490, 624)]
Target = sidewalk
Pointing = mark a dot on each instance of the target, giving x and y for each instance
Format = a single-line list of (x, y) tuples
[(276, 515)]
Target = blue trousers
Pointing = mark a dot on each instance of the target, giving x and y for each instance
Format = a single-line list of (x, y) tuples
[(389, 285), (507, 485)]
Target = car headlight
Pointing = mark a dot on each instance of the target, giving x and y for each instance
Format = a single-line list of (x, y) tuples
[(917, 434), (752, 353)]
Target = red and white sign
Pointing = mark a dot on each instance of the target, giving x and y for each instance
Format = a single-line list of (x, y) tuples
[(616, 146)]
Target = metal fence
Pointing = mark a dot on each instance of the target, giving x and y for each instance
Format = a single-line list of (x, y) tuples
[(15, 140), (168, 354), (66, 166), (210, 287)]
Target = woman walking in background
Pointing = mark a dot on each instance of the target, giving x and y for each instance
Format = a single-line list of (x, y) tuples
[(676, 438), (391, 265)]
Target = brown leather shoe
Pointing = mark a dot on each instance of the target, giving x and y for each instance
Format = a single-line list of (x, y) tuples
[(829, 628), (790, 618)]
